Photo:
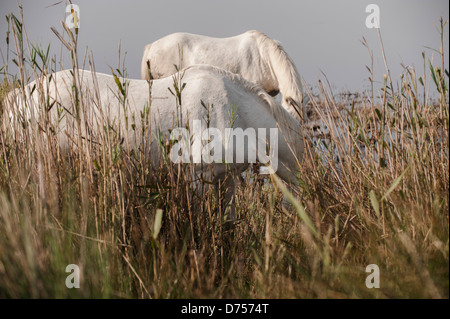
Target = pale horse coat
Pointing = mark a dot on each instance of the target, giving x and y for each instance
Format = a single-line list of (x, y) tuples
[(253, 55), (254, 108)]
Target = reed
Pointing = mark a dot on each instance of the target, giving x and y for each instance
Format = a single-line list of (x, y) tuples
[(373, 190)]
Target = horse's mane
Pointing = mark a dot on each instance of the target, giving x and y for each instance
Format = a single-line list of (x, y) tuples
[(268, 101), (284, 68)]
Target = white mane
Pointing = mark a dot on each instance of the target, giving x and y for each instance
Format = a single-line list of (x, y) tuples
[(266, 100), (284, 68)]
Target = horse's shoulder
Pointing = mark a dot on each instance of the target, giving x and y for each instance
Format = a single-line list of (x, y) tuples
[(255, 34)]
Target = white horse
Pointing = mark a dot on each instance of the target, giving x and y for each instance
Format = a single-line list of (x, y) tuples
[(253, 55), (235, 101)]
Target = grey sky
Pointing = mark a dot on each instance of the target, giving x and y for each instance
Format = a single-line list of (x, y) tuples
[(318, 35)]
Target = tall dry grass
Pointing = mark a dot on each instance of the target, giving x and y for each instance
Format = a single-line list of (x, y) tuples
[(373, 190)]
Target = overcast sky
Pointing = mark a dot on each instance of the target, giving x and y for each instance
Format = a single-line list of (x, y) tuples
[(320, 36)]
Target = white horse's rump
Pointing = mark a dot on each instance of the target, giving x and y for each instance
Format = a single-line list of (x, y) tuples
[(204, 85), (252, 54)]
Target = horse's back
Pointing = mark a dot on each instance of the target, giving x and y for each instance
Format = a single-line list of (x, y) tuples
[(235, 54)]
